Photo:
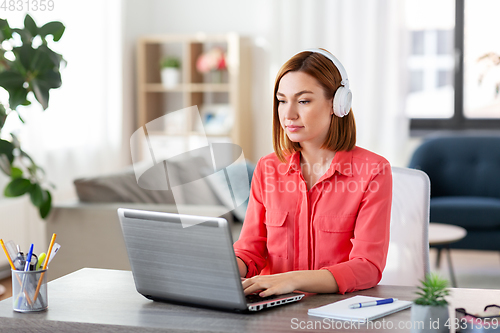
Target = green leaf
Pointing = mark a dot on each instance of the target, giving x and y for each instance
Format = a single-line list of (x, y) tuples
[(46, 206), (5, 31), (40, 61), (55, 57), (30, 25), (55, 29), (41, 94), (20, 117), (17, 187), (7, 148), (3, 116), (50, 79), (17, 97), (42, 84), (37, 195), (11, 80), (15, 173), (26, 55)]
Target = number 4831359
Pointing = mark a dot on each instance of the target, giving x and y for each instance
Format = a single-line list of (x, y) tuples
[(27, 5)]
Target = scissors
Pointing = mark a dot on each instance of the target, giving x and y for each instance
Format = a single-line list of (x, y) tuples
[(20, 261)]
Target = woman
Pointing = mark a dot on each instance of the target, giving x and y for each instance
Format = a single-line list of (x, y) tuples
[(319, 209)]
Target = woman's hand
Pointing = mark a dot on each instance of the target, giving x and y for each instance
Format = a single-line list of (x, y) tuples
[(268, 285), (318, 281)]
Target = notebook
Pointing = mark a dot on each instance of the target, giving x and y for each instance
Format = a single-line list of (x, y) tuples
[(340, 310), (194, 265)]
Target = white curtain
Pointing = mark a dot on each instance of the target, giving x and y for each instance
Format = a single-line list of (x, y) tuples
[(80, 133), (368, 38)]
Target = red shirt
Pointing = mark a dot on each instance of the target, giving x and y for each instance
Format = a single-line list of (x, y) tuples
[(340, 224)]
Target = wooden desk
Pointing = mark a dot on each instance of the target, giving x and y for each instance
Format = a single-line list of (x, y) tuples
[(98, 300)]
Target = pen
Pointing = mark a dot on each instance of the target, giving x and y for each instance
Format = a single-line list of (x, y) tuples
[(28, 259), (373, 303)]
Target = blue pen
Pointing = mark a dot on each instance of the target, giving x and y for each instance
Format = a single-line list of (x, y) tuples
[(28, 259), (372, 303)]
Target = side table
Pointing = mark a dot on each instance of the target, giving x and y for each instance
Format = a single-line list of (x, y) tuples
[(443, 235)]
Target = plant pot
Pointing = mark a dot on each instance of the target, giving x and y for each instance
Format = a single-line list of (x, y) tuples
[(170, 77), (429, 319)]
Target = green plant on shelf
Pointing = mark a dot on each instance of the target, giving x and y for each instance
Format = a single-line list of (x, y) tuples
[(170, 62)]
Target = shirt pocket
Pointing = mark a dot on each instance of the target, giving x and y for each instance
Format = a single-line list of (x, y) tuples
[(277, 236), (333, 238), (341, 223)]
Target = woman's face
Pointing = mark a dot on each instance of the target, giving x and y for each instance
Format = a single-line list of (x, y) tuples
[(304, 112)]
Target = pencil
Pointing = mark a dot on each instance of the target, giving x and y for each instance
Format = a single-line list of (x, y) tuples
[(7, 254), (52, 241), (44, 267), (13, 267)]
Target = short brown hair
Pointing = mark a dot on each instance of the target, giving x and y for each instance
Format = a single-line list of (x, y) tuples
[(342, 132)]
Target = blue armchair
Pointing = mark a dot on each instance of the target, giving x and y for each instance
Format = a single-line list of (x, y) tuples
[(465, 186)]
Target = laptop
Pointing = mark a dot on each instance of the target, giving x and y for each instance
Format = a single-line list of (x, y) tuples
[(194, 265)]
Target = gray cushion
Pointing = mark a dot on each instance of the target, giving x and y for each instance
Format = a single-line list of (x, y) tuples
[(120, 187), (184, 174)]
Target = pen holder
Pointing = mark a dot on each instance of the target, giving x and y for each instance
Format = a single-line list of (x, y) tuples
[(29, 290)]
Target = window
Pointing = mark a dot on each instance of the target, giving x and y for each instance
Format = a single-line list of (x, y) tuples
[(449, 87)]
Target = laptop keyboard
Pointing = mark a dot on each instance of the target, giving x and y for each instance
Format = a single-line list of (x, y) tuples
[(254, 298)]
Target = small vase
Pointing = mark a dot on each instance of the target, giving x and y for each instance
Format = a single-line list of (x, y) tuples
[(216, 76), (429, 319), (170, 77)]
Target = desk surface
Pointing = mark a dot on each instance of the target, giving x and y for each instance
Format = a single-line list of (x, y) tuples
[(98, 300)]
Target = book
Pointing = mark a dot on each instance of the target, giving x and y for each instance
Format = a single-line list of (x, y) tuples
[(340, 310)]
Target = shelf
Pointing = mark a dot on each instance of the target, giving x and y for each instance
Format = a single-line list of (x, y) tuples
[(155, 100), (161, 133), (188, 87)]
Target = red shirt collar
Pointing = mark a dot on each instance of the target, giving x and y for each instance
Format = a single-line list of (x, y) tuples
[(342, 162)]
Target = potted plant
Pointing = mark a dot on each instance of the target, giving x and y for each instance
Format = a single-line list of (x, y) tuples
[(170, 72), (429, 312), (28, 67)]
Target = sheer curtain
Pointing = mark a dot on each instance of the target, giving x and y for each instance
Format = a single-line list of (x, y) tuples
[(368, 38), (80, 133)]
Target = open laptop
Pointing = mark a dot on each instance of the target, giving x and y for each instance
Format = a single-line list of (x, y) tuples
[(194, 265)]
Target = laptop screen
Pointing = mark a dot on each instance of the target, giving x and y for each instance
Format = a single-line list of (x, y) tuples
[(194, 265)]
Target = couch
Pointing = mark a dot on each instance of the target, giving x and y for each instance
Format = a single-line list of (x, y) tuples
[(465, 186)]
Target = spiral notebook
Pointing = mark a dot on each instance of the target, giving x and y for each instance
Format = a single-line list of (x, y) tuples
[(340, 310)]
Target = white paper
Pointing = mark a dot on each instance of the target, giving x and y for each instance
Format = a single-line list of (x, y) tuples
[(340, 310)]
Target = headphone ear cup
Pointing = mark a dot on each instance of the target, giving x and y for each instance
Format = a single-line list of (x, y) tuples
[(342, 101)]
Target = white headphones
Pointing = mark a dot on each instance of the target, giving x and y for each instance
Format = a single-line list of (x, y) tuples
[(343, 97)]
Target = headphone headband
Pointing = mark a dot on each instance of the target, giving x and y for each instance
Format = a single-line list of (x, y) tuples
[(342, 98), (336, 62)]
